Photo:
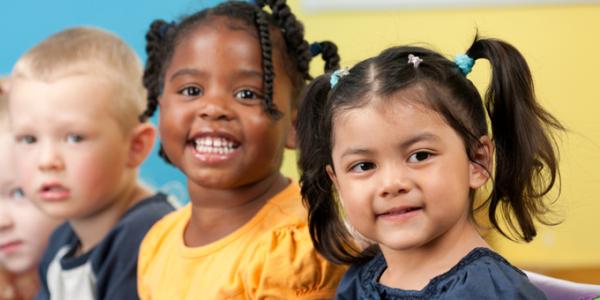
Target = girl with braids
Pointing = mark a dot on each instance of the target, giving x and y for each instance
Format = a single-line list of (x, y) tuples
[(394, 152), (227, 80)]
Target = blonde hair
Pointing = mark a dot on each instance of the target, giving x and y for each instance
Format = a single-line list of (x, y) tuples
[(90, 51)]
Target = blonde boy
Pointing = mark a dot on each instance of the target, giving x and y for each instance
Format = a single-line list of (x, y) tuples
[(75, 101)]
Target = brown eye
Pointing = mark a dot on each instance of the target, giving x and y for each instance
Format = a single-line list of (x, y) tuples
[(247, 94), (191, 91), (362, 167), (420, 156)]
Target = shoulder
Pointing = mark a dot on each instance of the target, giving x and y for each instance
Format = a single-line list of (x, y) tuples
[(485, 274), (161, 232), (165, 225), (360, 280)]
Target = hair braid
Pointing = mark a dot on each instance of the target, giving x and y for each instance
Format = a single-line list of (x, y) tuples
[(262, 25), (329, 52), (293, 34), (152, 70), (155, 50)]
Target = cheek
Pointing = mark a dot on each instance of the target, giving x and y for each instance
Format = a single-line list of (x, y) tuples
[(354, 199)]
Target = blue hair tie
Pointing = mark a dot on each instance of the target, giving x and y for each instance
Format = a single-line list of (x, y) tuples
[(337, 75), (315, 49), (465, 63)]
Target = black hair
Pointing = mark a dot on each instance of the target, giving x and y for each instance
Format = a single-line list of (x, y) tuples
[(162, 38), (526, 162)]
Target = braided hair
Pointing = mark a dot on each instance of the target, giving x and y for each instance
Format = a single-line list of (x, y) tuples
[(163, 37)]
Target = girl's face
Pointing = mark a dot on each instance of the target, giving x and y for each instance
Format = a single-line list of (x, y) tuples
[(24, 229), (402, 174), (212, 122)]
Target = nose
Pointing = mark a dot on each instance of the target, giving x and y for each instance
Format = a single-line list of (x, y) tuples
[(215, 108), (6, 220), (50, 158), (395, 181)]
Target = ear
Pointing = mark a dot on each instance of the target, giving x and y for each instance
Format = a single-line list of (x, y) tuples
[(142, 140), (332, 176), (290, 142), (481, 167)]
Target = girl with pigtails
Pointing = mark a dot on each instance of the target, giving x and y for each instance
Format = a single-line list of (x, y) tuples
[(394, 150), (227, 80)]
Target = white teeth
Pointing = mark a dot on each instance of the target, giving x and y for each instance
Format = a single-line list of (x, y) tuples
[(214, 145)]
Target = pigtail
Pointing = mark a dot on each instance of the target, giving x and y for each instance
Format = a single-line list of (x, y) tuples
[(329, 52), (152, 70), (155, 51), (327, 228), (262, 25), (526, 161)]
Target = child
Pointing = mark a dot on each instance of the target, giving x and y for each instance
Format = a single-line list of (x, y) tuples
[(24, 229), (74, 102), (227, 80), (403, 141)]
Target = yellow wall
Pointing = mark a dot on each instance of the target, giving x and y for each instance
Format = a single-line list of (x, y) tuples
[(562, 46)]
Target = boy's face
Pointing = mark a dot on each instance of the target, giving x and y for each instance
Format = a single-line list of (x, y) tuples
[(212, 122), (24, 229), (71, 151)]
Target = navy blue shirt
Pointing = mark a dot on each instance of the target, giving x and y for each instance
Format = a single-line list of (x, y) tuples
[(107, 271), (481, 274)]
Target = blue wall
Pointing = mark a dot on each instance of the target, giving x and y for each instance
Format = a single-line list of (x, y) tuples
[(24, 23)]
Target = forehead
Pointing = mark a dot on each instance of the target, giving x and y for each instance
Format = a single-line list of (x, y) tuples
[(228, 39), (79, 96), (384, 120)]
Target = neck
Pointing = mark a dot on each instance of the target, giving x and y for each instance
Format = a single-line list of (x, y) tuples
[(92, 228), (218, 212), (413, 268)]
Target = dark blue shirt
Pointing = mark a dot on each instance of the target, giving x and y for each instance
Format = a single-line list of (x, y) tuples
[(107, 271), (481, 274)]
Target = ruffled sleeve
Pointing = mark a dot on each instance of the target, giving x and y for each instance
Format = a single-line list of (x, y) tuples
[(285, 265)]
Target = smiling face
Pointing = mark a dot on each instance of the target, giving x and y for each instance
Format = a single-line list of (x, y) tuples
[(24, 229), (212, 123), (402, 174), (71, 150)]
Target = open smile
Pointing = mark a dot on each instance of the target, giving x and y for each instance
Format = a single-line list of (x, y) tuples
[(214, 148)]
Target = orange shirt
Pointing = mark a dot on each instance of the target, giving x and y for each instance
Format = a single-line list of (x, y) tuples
[(270, 257)]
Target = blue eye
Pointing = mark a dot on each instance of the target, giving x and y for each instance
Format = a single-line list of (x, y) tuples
[(420, 156), (191, 91), (247, 94), (362, 167), (74, 138), (17, 193), (26, 139)]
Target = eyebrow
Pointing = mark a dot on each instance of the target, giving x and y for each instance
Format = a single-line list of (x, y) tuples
[(426, 136), (405, 144), (248, 73), (186, 71), (195, 72)]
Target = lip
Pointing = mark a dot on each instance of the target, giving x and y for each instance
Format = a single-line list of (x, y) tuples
[(213, 155), (10, 247), (53, 192), (399, 213)]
